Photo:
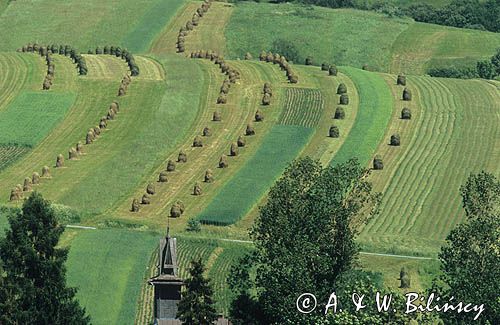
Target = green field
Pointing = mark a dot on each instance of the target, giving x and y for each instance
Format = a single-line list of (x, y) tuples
[(85, 24), (374, 112), (303, 107), (111, 262), (281, 145)]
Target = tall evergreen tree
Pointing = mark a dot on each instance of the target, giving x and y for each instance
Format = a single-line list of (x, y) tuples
[(33, 287), (197, 305)]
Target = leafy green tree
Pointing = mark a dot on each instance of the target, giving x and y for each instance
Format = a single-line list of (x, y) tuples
[(197, 306), (470, 257), (305, 234), (286, 48), (495, 59), (486, 69), (33, 289)]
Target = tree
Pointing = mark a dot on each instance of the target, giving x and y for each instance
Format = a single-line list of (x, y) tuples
[(197, 306), (304, 235), (495, 60), (33, 287), (486, 69), (470, 257), (287, 49)]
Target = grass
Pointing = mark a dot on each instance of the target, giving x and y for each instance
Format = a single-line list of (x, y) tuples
[(303, 107), (453, 132), (111, 262), (241, 193), (34, 115), (85, 24), (374, 112), (10, 154)]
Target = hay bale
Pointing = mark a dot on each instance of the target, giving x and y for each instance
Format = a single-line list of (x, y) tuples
[(111, 115), (59, 161), (207, 132), (114, 106), (233, 150), (14, 195), (267, 89), (293, 78), (209, 176), (135, 205), (395, 140), (378, 164), (163, 177), (46, 84), (248, 56), (404, 277), (146, 199), (175, 211), (170, 166), (250, 130), (27, 184), (121, 91), (269, 57), (332, 71), (341, 89), (72, 154), (89, 138), (79, 148), (46, 172), (334, 132), (97, 130), (309, 60), (216, 117), (266, 99), (263, 56), (339, 113), (405, 114), (19, 190), (401, 80), (325, 66), (150, 189), (222, 99), (182, 158), (35, 178), (259, 116), (103, 123), (406, 94), (197, 142), (344, 99), (197, 189), (241, 141), (223, 162)]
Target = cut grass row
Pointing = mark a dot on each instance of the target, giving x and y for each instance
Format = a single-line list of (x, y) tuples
[(303, 107), (453, 133)]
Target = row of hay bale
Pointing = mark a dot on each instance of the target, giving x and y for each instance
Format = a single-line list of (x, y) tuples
[(191, 24), (268, 93), (282, 62), (331, 68), (339, 114), (17, 193), (117, 51), (66, 50), (395, 139), (49, 77), (126, 80)]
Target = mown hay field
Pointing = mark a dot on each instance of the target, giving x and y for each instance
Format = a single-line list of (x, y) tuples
[(454, 131), (303, 107)]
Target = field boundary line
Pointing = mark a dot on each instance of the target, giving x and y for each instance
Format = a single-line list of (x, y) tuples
[(80, 227)]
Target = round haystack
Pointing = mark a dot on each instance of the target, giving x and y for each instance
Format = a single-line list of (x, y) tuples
[(269, 57), (146, 199), (209, 176), (197, 189), (233, 150), (103, 123), (342, 89), (293, 78), (267, 89), (197, 142), (72, 154), (150, 189), (114, 106), (248, 56), (60, 161), (401, 80), (216, 117), (97, 131), (79, 148), (406, 94), (395, 140), (121, 91), (135, 205), (241, 141), (27, 184), (14, 195), (222, 99), (334, 132), (90, 137), (19, 190), (182, 158), (344, 99), (163, 177), (276, 58), (46, 172), (378, 164), (263, 56), (405, 114), (224, 89), (339, 113), (46, 84), (404, 277), (259, 116), (207, 132), (223, 162), (175, 211), (332, 71), (250, 130), (325, 66), (170, 166), (111, 115), (35, 178), (309, 61), (266, 99)]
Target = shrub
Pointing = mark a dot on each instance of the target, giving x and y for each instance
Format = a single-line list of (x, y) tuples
[(339, 113), (395, 140), (287, 49), (341, 89), (405, 114), (378, 164), (193, 225), (334, 132), (344, 99)]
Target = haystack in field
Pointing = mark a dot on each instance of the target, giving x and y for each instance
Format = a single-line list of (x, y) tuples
[(35, 178), (223, 162), (395, 140), (344, 99), (325, 66), (27, 184), (209, 176), (401, 80), (263, 56), (332, 71), (207, 132), (250, 130), (248, 56), (177, 209), (334, 132), (259, 116), (404, 277), (89, 138), (342, 89), (378, 164), (135, 205), (339, 113), (405, 114), (197, 189), (46, 172), (222, 99), (59, 161), (266, 99), (163, 177), (406, 94), (182, 158), (233, 150), (72, 154), (197, 142), (146, 199), (170, 166), (79, 148), (114, 106), (241, 141), (309, 61), (14, 195), (150, 189)]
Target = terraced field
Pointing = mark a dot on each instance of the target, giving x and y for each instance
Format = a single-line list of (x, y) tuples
[(454, 130)]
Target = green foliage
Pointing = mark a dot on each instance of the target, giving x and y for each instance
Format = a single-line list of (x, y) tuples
[(286, 48), (454, 72), (279, 147), (486, 70), (34, 284), (305, 234), (34, 114), (65, 214), (197, 306), (193, 225)]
